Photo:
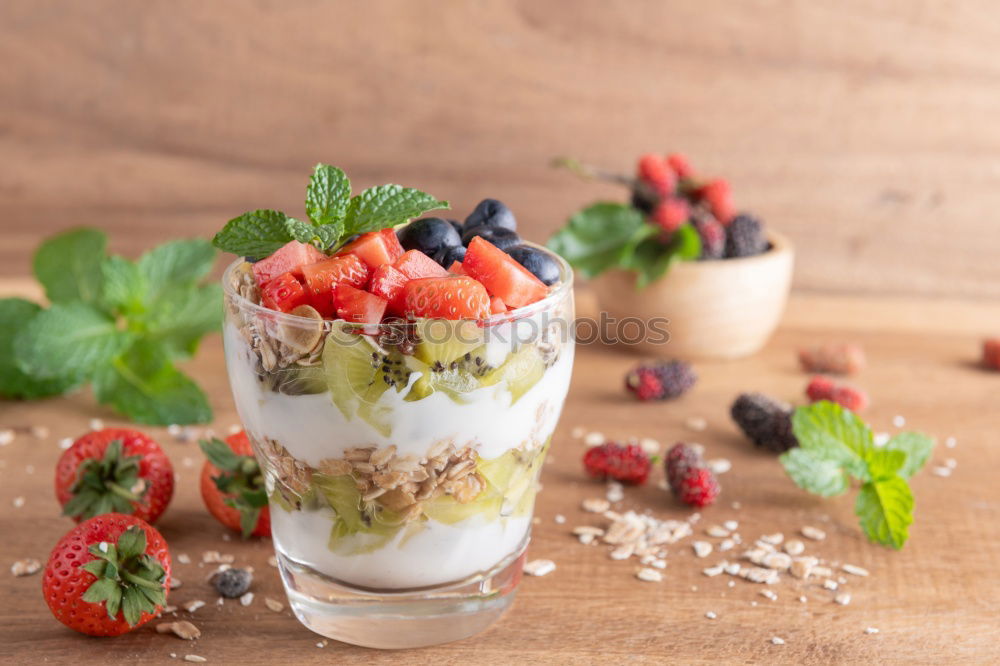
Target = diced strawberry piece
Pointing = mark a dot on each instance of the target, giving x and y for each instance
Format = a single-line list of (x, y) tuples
[(289, 258), (415, 264), (322, 279), (283, 293), (497, 305), (456, 268), (388, 283), (359, 306), (453, 297), (375, 248), (502, 275)]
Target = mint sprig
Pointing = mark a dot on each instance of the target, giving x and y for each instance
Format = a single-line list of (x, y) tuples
[(334, 215), (836, 446), (609, 235), (117, 323)]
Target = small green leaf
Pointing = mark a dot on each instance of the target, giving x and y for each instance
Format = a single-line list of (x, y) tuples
[(124, 287), (386, 206), (220, 454), (16, 314), (179, 263), (328, 195), (96, 567), (884, 463), (918, 448), (69, 266), (132, 543), (146, 387), (258, 233), (182, 315), (133, 603), (834, 433), (248, 521), (100, 590), (650, 258), (595, 238), (817, 475), (69, 340), (114, 603), (885, 507), (328, 235)]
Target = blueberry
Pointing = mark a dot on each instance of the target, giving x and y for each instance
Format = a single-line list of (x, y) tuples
[(457, 225), (232, 583), (538, 262), (429, 235), (502, 238), (446, 256), (491, 213)]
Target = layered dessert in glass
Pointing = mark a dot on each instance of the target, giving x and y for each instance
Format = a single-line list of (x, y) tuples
[(401, 422)]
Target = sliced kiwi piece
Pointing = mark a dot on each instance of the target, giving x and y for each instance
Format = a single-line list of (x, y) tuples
[(442, 341), (520, 371), (359, 527), (299, 380)]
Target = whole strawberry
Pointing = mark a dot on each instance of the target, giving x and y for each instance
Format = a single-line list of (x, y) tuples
[(114, 470), (626, 463), (689, 478), (661, 380), (108, 575), (232, 486)]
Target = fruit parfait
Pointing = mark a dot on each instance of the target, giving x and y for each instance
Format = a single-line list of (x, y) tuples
[(400, 382)]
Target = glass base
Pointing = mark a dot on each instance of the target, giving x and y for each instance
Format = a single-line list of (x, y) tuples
[(395, 619)]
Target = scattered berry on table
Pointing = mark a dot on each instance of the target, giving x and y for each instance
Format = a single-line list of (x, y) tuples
[(661, 380), (626, 463), (232, 583), (713, 237), (429, 235), (653, 171), (745, 237), (678, 460), (991, 353), (490, 213), (765, 421), (833, 358), (502, 238), (849, 397), (671, 213), (538, 263)]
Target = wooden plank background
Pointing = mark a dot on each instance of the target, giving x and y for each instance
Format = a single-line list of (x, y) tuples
[(865, 130)]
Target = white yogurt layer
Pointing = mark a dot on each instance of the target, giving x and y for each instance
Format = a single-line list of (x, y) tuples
[(436, 554), (312, 427)]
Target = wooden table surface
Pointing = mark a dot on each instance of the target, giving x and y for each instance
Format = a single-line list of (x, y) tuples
[(937, 601)]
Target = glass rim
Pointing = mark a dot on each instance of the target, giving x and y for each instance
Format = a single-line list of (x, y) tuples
[(560, 292)]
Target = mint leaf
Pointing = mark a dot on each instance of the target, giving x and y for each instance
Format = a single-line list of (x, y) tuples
[(884, 463), (917, 447), (182, 315), (69, 341), (885, 507), (328, 235), (328, 195), (260, 232), (595, 238), (651, 259), (817, 475), (834, 433), (124, 287), (386, 206), (15, 314), (176, 263), (69, 266), (146, 387)]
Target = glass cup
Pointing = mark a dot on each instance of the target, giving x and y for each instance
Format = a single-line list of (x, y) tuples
[(401, 459)]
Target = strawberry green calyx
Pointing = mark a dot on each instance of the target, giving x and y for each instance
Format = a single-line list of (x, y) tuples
[(128, 580), (240, 480), (109, 485)]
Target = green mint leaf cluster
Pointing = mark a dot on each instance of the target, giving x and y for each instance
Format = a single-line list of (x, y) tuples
[(334, 215), (117, 323), (610, 235), (836, 446)]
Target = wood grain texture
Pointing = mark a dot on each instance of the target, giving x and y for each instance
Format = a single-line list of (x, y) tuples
[(934, 602), (865, 130)]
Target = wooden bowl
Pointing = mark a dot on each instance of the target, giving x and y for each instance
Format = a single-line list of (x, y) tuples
[(716, 309)]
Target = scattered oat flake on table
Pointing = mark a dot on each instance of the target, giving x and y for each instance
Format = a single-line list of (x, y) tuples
[(615, 492), (852, 569), (696, 423), (814, 533), (195, 658), (794, 547), (273, 561), (777, 640), (577, 432), (246, 599), (39, 431), (715, 570), (274, 604), (560, 519), (6, 437), (702, 548), (719, 465), (871, 630), (596, 505), (950, 463), (950, 443), (184, 558), (26, 567), (65, 443), (830, 584), (711, 615), (881, 438), (594, 438), (215, 557), (233, 428), (96, 424), (773, 539), (803, 599), (539, 567), (649, 575), (899, 421), (649, 445), (843, 598), (769, 594), (717, 531), (175, 582), (941, 471), (193, 605), (18, 502), (180, 628)]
